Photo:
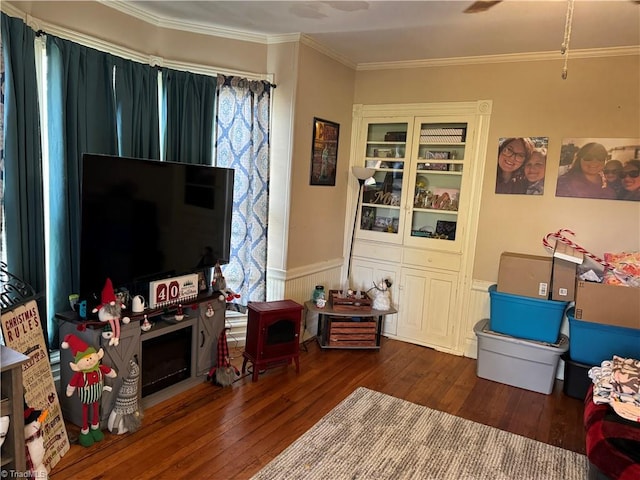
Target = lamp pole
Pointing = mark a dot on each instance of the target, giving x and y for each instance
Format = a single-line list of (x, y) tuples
[(362, 174)]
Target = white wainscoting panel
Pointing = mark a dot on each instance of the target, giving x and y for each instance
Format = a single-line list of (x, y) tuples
[(298, 284), (479, 306)]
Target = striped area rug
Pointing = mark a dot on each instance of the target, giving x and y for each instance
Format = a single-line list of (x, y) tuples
[(370, 435)]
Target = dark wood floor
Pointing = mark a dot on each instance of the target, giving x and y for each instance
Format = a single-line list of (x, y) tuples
[(230, 433)]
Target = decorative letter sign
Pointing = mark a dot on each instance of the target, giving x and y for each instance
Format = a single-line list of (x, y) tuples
[(171, 291), (22, 331)]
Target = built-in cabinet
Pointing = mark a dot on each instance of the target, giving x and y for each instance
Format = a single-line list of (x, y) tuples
[(417, 216)]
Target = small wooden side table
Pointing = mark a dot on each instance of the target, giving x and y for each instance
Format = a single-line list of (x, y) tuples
[(348, 329)]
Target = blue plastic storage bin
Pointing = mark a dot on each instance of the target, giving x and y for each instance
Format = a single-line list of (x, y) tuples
[(592, 343), (525, 317)]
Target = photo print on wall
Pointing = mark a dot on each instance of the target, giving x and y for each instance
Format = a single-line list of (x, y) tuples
[(324, 152), (522, 163), (605, 168)]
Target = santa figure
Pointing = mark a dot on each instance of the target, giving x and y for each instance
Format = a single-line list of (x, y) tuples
[(110, 311), (89, 380)]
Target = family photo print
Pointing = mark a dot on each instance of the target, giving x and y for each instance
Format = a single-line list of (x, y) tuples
[(606, 168), (522, 163)]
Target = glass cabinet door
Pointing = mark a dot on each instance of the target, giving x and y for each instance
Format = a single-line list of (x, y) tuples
[(437, 170), (385, 151)]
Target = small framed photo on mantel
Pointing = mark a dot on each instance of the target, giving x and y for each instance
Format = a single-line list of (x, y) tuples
[(324, 152)]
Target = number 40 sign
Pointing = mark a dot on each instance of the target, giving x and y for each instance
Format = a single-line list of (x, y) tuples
[(174, 290)]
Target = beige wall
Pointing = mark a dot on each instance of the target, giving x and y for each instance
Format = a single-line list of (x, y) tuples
[(316, 229), (600, 98)]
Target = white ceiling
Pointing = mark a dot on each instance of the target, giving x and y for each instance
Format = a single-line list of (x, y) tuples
[(395, 31)]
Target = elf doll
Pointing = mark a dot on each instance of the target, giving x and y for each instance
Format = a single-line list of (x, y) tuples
[(89, 380)]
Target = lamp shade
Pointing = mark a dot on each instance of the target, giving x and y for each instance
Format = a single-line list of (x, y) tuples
[(362, 173)]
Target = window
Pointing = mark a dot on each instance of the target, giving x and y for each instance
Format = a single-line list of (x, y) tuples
[(115, 126)]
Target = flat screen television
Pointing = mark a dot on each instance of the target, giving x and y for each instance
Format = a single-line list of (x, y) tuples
[(145, 220)]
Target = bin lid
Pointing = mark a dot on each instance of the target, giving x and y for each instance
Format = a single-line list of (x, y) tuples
[(481, 329)]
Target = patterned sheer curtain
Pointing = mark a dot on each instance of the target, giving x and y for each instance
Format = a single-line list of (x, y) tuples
[(242, 133)]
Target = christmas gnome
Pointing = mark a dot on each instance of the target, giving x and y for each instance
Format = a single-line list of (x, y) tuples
[(220, 284), (126, 415), (110, 311), (89, 380)]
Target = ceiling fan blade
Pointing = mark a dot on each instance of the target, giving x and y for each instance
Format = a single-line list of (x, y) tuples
[(481, 6)]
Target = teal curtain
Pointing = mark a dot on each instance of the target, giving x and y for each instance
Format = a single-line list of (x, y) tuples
[(188, 102), (22, 157), (242, 130), (136, 90), (82, 119)]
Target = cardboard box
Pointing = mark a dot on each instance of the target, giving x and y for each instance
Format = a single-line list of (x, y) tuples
[(608, 304), (568, 253), (526, 275), (563, 280)]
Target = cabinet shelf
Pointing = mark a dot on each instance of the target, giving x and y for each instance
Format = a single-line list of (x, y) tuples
[(442, 144), (439, 172), (382, 142), (384, 169), (435, 210), (381, 205)]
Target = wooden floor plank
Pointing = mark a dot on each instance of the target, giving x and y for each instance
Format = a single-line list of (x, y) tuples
[(230, 433)]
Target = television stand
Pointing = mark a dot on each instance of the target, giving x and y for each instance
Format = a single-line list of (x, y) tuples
[(166, 369)]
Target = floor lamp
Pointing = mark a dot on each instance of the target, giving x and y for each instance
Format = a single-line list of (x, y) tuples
[(362, 174)]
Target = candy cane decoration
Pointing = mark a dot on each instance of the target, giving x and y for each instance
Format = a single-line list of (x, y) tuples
[(560, 237), (622, 276)]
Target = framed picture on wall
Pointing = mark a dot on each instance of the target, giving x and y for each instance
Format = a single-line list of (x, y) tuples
[(605, 168), (324, 152), (521, 165)]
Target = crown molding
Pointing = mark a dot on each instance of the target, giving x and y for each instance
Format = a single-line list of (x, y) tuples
[(193, 27), (11, 10), (327, 51), (507, 58), (216, 31), (283, 38), (130, 54)]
